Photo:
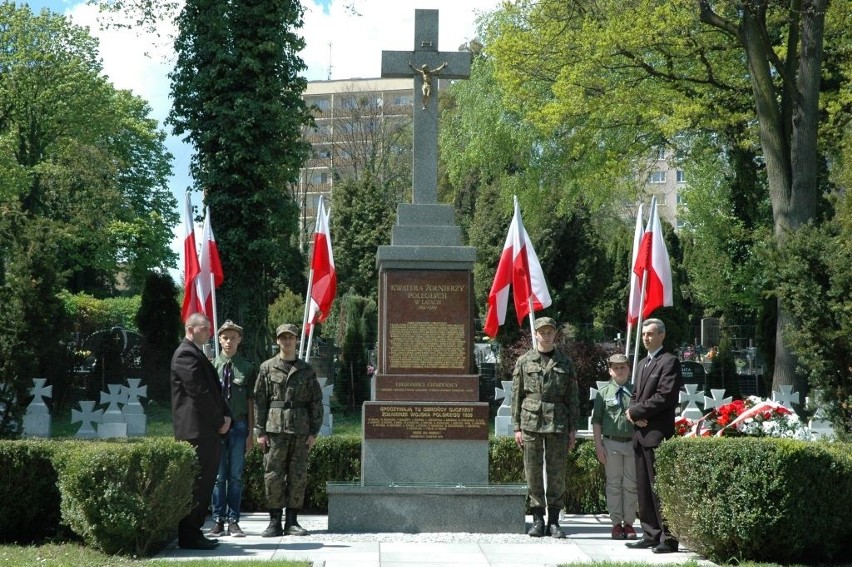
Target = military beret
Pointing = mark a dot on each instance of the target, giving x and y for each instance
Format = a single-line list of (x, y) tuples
[(618, 359), (229, 326), (287, 328), (542, 321)]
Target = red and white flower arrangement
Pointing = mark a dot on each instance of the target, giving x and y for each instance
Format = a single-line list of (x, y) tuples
[(752, 417)]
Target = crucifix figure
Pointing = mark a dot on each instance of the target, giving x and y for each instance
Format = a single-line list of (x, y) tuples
[(426, 62)]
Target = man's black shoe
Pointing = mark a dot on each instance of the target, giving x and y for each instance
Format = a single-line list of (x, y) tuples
[(198, 543), (666, 547), (642, 544)]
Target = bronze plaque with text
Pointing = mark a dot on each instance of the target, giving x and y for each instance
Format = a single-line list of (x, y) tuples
[(424, 388), (426, 421), (426, 322)]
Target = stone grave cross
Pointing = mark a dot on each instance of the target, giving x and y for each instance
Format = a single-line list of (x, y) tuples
[(786, 397), (426, 64), (87, 416), (717, 400), (692, 397)]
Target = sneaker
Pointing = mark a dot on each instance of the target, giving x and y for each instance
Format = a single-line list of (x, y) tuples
[(217, 530), (629, 532), (234, 530), (617, 532)]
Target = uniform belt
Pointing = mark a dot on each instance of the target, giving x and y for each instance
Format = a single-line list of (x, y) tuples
[(544, 398), (617, 438), (289, 404)]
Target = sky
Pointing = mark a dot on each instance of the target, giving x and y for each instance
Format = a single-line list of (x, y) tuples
[(344, 40)]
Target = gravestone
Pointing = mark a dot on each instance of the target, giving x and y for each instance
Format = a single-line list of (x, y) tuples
[(503, 419), (87, 416), (133, 412), (424, 450), (112, 421), (327, 418), (710, 331), (692, 397), (693, 373), (593, 393), (37, 418), (786, 397), (717, 399)]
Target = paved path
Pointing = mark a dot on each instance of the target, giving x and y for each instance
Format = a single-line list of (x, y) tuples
[(588, 541)]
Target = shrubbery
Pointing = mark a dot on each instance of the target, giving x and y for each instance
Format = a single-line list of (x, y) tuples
[(760, 499), (28, 466)]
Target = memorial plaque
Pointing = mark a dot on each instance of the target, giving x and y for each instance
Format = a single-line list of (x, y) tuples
[(426, 421), (693, 373), (427, 388), (426, 323)]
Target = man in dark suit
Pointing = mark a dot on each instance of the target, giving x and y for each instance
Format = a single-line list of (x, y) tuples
[(199, 415), (652, 412)]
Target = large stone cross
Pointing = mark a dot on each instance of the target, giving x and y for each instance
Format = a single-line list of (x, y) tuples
[(426, 64)]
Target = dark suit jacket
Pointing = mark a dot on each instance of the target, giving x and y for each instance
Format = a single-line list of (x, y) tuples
[(198, 407), (655, 398)]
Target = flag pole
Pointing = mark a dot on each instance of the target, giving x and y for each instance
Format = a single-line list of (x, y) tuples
[(532, 323), (307, 308), (642, 299), (627, 340), (310, 340), (215, 316)]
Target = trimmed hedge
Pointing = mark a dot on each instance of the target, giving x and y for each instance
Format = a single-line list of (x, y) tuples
[(338, 459), (27, 466), (125, 497), (758, 499)]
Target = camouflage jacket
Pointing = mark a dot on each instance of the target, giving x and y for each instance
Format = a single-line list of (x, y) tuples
[(545, 399), (287, 402)]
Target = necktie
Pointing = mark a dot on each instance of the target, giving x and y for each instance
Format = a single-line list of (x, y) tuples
[(619, 395), (227, 375)]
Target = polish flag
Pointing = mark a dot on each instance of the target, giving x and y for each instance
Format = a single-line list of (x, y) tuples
[(653, 260), (519, 268), (324, 284), (635, 282), (191, 304), (210, 265)]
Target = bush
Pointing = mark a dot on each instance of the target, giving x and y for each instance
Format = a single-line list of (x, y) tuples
[(126, 497), (28, 464), (760, 499)]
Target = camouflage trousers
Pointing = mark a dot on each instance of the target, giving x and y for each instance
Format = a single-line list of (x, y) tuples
[(547, 451), (285, 471)]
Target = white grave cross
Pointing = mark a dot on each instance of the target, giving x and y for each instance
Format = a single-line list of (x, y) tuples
[(87, 416), (692, 398), (717, 400), (786, 397)]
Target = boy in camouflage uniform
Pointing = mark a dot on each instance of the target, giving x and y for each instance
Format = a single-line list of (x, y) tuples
[(288, 411), (545, 410)]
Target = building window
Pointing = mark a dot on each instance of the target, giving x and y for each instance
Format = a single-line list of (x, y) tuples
[(661, 154), (681, 177), (321, 103), (658, 176), (403, 100), (349, 103)]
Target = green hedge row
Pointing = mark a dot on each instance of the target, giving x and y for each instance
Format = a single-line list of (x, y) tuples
[(121, 497), (338, 458), (760, 499)]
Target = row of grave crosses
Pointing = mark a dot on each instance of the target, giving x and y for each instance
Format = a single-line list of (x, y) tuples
[(129, 420), (690, 394)]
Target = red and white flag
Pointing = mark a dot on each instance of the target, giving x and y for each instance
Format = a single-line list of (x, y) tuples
[(520, 269), (324, 285), (653, 260), (210, 265), (191, 304), (635, 282)]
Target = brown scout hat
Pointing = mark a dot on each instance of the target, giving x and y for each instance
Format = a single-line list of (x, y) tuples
[(618, 359), (229, 326)]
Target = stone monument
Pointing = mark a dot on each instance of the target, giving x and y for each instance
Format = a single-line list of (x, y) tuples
[(503, 419), (112, 420), (87, 416), (37, 418), (424, 456), (133, 412)]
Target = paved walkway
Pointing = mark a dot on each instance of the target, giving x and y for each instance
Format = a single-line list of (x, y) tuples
[(588, 541)]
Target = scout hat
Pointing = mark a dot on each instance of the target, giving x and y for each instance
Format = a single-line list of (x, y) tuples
[(542, 321), (618, 359), (287, 328), (230, 326)]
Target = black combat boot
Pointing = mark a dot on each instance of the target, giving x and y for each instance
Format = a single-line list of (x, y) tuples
[(291, 524), (274, 528), (537, 529), (553, 523)]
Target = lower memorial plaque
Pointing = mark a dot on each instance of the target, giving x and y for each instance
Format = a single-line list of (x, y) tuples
[(425, 421)]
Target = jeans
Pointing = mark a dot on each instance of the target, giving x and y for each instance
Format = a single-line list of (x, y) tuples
[(228, 491)]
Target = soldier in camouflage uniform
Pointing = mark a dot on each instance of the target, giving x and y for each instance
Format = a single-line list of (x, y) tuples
[(288, 412), (545, 410)]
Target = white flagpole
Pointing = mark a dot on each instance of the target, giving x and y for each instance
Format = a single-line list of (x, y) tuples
[(308, 348), (215, 317), (320, 211), (532, 323), (632, 275), (627, 343)]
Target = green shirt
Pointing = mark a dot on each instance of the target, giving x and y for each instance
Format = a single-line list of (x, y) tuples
[(242, 382), (609, 414)]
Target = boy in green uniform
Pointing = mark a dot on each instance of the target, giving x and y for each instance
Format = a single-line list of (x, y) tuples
[(614, 447), (237, 375)]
